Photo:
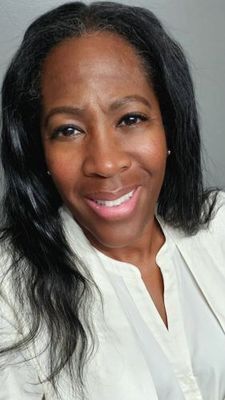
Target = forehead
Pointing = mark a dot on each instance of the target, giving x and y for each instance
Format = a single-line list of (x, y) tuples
[(97, 45), (101, 62)]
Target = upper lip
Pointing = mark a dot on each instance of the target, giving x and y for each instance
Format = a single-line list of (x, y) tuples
[(110, 195)]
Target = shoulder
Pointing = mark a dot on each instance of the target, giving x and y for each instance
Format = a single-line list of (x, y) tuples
[(216, 225), (10, 317), (212, 232)]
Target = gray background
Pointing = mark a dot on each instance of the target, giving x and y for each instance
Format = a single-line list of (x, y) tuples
[(199, 26)]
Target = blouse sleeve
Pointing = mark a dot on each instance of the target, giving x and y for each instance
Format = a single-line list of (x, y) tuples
[(18, 377)]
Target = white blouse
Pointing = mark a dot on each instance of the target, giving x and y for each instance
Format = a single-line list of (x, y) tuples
[(136, 357), (187, 361)]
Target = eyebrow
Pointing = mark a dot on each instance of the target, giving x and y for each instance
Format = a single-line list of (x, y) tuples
[(77, 111), (129, 99)]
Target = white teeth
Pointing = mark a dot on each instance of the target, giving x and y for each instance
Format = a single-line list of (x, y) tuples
[(117, 202)]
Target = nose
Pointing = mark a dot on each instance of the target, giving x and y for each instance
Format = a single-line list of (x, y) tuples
[(105, 156)]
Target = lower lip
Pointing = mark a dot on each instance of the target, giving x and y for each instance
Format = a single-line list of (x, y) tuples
[(124, 210)]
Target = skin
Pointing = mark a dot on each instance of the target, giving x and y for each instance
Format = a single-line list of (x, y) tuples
[(112, 138)]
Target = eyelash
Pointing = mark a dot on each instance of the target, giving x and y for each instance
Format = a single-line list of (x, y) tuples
[(134, 116), (64, 130), (126, 121)]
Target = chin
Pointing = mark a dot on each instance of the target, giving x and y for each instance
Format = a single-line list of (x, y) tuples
[(114, 237)]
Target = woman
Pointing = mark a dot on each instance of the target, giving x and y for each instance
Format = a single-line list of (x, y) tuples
[(110, 244)]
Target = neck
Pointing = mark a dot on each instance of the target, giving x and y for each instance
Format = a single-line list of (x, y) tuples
[(142, 252)]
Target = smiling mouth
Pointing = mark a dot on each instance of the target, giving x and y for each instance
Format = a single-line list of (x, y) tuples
[(116, 202), (115, 209)]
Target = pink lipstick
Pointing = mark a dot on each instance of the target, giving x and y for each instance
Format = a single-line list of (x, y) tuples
[(116, 208)]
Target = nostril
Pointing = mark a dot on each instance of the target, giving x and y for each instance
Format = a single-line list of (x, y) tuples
[(106, 164)]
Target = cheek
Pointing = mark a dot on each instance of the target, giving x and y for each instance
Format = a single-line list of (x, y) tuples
[(152, 154), (64, 167)]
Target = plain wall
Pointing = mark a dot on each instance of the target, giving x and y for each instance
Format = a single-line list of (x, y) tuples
[(198, 25)]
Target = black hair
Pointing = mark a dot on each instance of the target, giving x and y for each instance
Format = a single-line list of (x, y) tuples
[(55, 288)]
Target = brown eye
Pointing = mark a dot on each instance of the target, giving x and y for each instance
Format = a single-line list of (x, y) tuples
[(67, 131), (132, 119)]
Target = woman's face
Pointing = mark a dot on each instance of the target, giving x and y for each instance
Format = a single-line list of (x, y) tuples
[(103, 137)]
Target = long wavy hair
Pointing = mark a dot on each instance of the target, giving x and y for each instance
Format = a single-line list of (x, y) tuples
[(42, 260)]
